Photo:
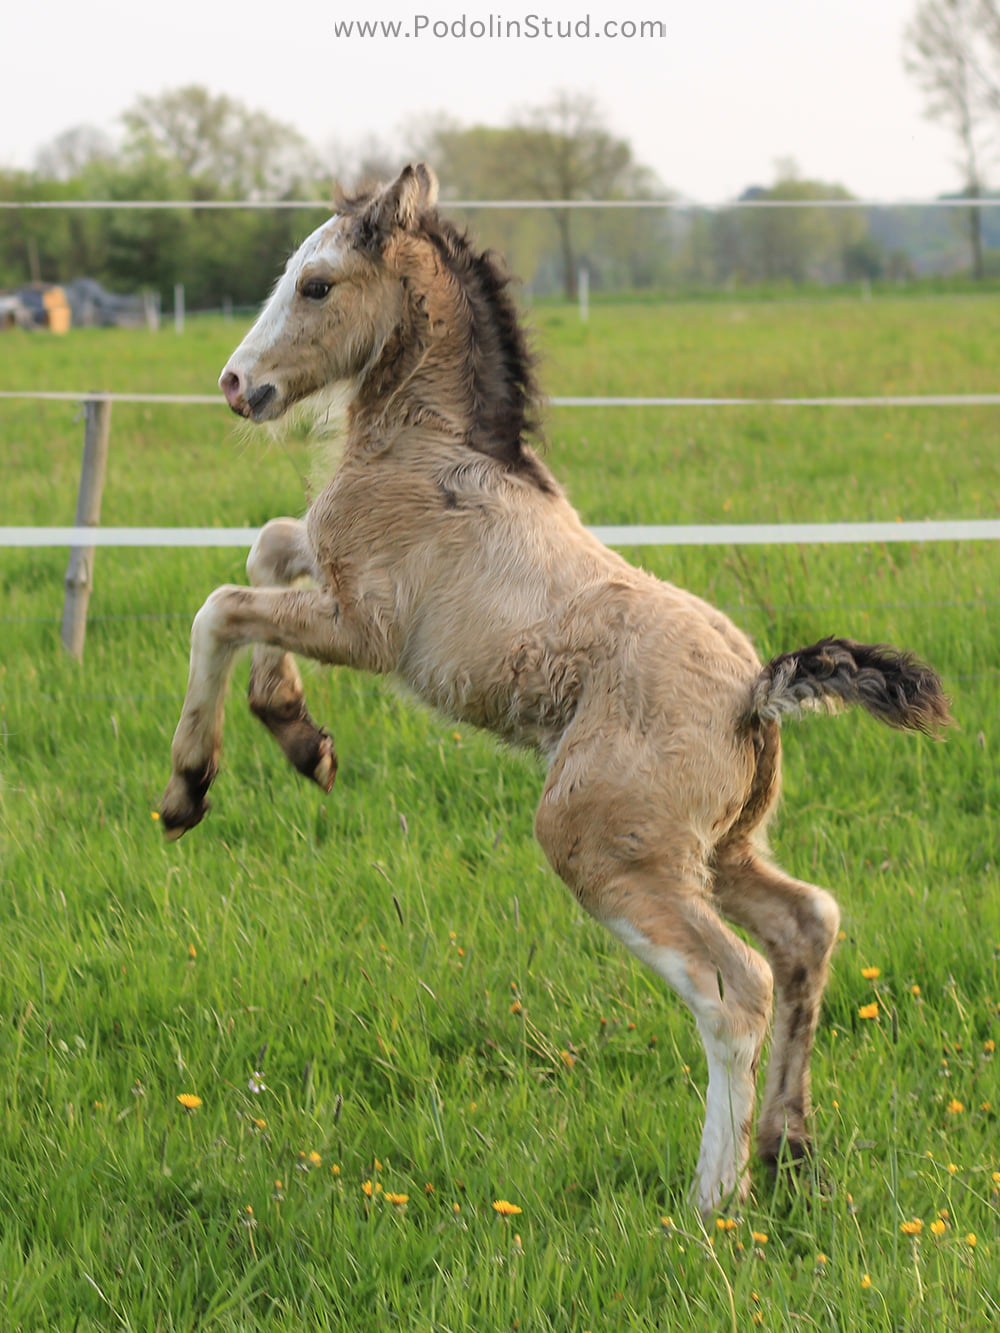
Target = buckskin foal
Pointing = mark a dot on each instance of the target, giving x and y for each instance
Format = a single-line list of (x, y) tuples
[(443, 551)]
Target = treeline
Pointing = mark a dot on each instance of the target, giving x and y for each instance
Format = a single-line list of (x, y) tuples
[(192, 147)]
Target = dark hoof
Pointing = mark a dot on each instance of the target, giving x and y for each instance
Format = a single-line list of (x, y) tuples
[(324, 770), (307, 747), (184, 804), (786, 1151)]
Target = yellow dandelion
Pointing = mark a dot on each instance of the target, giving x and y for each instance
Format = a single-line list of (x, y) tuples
[(952, 1168), (865, 1281), (996, 1177), (189, 1101), (915, 990), (955, 1107), (192, 951), (155, 814), (568, 1059), (868, 1011), (668, 1224), (970, 1240), (725, 1224), (516, 1007), (938, 1227), (378, 1165), (335, 1169), (989, 1046), (397, 1199), (261, 1124), (505, 1209), (912, 1228), (871, 973), (822, 1260), (366, 1189), (759, 1237), (315, 1159)]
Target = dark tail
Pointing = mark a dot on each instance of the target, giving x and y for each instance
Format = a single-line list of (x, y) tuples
[(834, 673)]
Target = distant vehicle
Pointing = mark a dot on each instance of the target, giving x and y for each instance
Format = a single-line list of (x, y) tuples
[(39, 305), (93, 305), (82, 303), (13, 314)]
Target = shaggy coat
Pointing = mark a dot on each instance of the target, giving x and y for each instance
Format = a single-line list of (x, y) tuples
[(442, 551)]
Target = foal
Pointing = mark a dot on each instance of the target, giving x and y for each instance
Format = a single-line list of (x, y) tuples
[(443, 551)]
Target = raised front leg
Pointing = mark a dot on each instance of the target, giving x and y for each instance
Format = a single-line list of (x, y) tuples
[(309, 622), (280, 556)]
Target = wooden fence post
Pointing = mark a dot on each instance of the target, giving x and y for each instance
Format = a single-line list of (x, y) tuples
[(80, 571)]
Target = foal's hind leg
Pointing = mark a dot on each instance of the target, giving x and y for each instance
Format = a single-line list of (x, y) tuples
[(280, 555), (727, 986), (797, 925), (659, 908)]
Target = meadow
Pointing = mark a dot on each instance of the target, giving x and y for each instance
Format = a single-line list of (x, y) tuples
[(279, 1075)]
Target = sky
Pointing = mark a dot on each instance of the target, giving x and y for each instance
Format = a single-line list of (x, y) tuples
[(731, 88)]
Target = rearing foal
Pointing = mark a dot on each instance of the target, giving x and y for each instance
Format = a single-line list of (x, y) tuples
[(443, 551)]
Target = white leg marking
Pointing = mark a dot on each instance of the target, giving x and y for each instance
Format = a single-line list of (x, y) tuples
[(732, 1056)]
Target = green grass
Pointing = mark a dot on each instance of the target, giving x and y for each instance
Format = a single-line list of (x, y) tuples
[(430, 1011)]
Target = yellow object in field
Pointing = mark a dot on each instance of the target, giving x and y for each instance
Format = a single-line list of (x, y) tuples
[(57, 311)]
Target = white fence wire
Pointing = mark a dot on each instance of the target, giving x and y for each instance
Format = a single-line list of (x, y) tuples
[(780, 534)]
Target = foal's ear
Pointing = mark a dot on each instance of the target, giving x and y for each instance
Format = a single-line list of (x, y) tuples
[(400, 204)]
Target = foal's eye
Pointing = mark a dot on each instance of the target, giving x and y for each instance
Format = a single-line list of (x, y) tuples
[(315, 289)]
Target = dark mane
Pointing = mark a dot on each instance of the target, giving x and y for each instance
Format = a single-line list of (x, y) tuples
[(506, 398), (503, 365)]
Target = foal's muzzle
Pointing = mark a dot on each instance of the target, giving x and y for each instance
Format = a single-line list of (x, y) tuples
[(254, 404)]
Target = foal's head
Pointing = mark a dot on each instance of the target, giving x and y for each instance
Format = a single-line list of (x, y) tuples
[(392, 301)]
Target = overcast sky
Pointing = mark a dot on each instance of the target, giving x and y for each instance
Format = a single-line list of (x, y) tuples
[(732, 87)]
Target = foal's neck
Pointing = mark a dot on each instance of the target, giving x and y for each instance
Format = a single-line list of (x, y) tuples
[(429, 373)]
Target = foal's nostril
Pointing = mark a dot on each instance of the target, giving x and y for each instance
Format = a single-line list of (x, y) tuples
[(232, 386)]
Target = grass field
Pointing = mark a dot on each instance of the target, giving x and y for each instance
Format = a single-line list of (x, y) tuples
[(385, 994)]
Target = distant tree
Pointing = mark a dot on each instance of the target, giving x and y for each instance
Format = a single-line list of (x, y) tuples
[(218, 144), (563, 150), (799, 243), (362, 162), (73, 151), (560, 150), (952, 49)]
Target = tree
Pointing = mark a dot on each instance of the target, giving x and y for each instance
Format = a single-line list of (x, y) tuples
[(952, 49), (799, 243), (221, 147), (560, 150), (74, 150)]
